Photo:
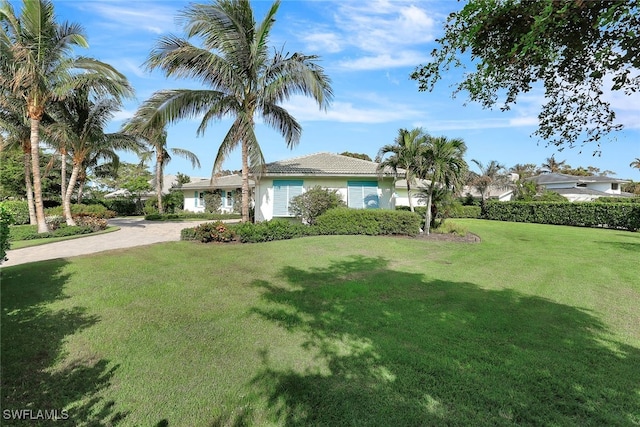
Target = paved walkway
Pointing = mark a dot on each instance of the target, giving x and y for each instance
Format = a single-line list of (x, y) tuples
[(133, 232)]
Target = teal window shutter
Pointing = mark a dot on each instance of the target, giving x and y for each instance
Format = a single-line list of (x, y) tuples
[(362, 195), (195, 197), (283, 192)]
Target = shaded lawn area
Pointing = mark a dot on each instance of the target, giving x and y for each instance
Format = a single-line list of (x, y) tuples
[(536, 325)]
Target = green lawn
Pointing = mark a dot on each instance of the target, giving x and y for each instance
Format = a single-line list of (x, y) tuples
[(536, 325)]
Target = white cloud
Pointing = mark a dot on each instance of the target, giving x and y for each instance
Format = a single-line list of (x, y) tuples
[(377, 35), (305, 109), (146, 16)]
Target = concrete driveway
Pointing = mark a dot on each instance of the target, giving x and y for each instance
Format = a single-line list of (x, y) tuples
[(133, 232)]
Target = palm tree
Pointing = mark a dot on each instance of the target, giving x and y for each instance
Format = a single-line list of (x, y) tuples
[(489, 176), (79, 126), (156, 140), (443, 165), (406, 153), (42, 69), (13, 121), (243, 77), (635, 163), (551, 165)]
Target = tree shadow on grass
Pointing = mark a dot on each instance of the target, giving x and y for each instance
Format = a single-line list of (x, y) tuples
[(400, 349), (35, 385)]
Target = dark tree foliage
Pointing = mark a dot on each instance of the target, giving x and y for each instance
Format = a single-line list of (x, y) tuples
[(360, 156), (576, 49)]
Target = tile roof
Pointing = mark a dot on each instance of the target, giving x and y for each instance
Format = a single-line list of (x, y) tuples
[(227, 181), (556, 178), (324, 164)]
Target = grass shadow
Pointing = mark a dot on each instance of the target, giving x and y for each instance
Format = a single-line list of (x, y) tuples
[(396, 348), (35, 385)]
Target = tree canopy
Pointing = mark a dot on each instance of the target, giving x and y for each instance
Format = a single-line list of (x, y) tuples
[(576, 49)]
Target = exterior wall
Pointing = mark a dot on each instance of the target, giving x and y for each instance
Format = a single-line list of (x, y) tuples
[(194, 205), (264, 192), (402, 198), (604, 186), (191, 203)]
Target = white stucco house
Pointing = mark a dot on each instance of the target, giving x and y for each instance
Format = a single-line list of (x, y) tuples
[(357, 181), (581, 188), (229, 187), (500, 193)]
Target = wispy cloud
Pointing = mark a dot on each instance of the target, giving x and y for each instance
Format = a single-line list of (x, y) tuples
[(383, 111), (139, 15), (375, 35)]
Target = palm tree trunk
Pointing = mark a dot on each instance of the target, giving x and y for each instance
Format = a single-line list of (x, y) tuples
[(245, 182), (427, 215), (66, 203), (80, 191), (29, 186), (409, 194), (159, 182), (37, 181), (63, 172)]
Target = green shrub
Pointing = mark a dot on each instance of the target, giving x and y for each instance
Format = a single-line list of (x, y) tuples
[(276, 229), (583, 214), (635, 199), (5, 220), (97, 211), (190, 215), (368, 221), (314, 202), (18, 209), (30, 232), (466, 211), (188, 233), (214, 232), (150, 206), (122, 207)]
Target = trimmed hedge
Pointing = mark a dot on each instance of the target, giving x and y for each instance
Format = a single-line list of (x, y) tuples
[(190, 215), (276, 229), (5, 221), (96, 211), (582, 214), (122, 207), (371, 222), (466, 212), (18, 209), (335, 221), (30, 232)]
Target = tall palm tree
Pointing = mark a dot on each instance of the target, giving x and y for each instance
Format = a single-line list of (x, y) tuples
[(443, 165), (551, 165), (491, 175), (43, 69), (635, 163), (244, 79), (156, 140), (406, 153), (80, 123)]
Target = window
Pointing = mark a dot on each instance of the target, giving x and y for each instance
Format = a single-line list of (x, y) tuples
[(362, 194), (283, 192), (614, 186), (199, 198), (229, 199)]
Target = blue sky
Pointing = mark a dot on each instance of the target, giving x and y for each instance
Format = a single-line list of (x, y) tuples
[(369, 49)]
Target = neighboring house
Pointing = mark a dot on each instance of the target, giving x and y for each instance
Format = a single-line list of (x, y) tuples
[(356, 180), (495, 192), (417, 186), (581, 188), (229, 187), (168, 181)]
